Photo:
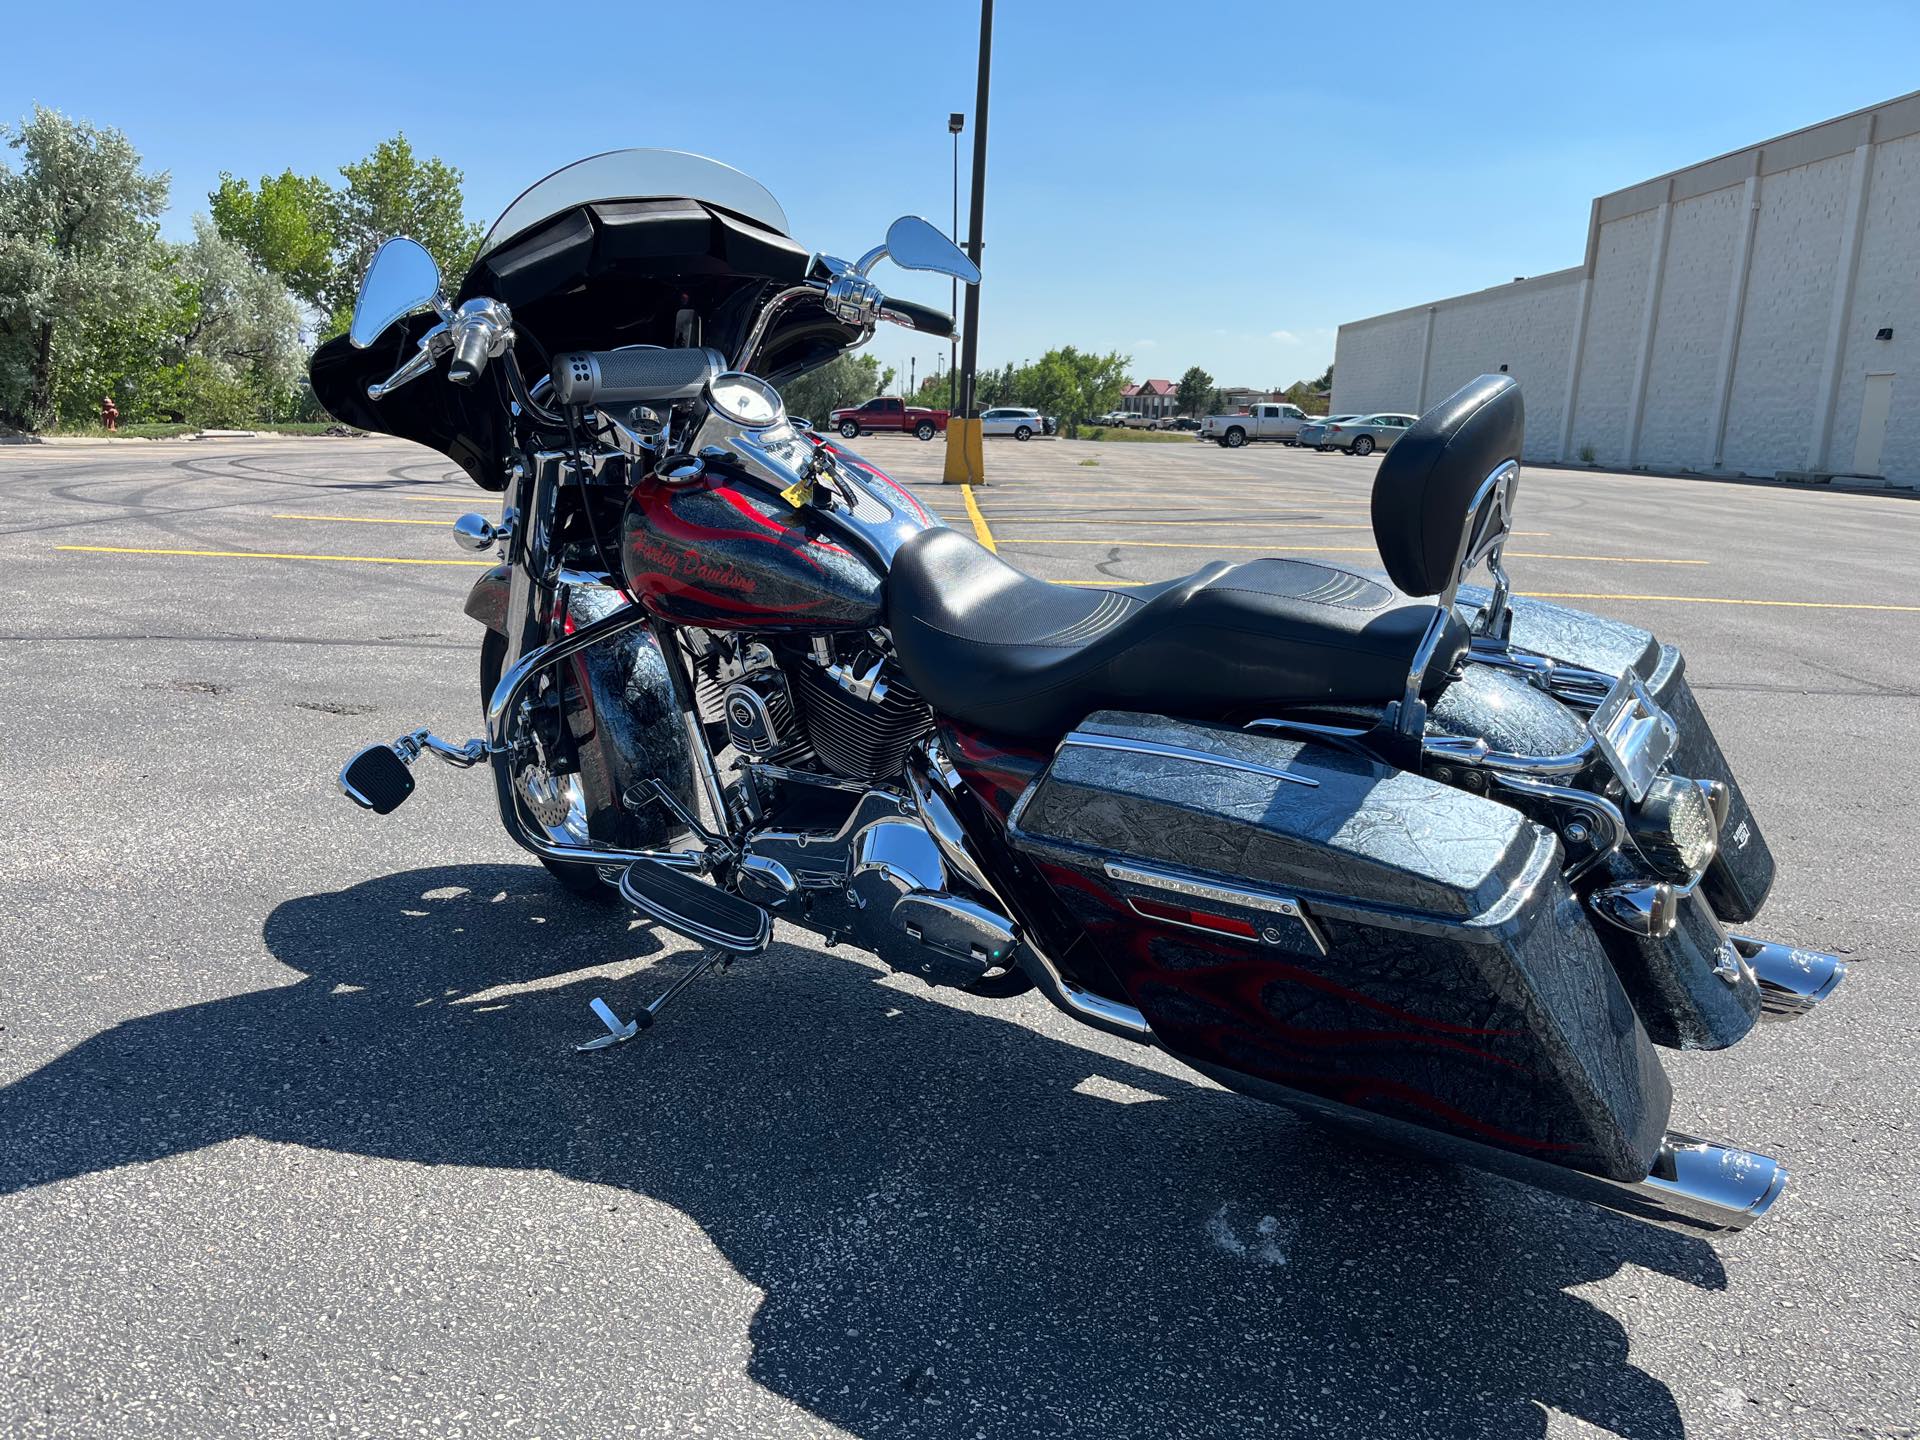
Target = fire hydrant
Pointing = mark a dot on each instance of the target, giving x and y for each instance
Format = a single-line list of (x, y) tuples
[(109, 413)]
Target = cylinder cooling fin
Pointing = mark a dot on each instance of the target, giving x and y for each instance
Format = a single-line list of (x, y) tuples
[(861, 724)]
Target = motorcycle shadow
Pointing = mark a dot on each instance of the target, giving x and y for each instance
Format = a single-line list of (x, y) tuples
[(957, 1222)]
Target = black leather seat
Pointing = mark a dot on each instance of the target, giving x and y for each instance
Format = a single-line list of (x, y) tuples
[(994, 647)]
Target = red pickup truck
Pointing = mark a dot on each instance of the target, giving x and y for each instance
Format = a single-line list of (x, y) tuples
[(889, 412)]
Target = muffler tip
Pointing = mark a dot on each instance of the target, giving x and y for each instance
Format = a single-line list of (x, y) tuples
[(1714, 1186), (1792, 981)]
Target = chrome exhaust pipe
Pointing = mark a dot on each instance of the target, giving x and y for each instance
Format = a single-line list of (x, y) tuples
[(1792, 981), (1702, 1185), (1694, 1186)]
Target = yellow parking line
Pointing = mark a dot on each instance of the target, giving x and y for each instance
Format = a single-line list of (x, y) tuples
[(980, 530), (266, 555), (1347, 550), (365, 520), (1723, 600)]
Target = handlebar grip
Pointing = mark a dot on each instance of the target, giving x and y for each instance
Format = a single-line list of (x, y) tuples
[(469, 355), (623, 377), (924, 318)]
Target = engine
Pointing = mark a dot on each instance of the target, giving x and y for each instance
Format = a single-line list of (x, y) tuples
[(845, 708)]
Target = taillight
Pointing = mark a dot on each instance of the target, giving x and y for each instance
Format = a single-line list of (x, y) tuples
[(1333, 429)]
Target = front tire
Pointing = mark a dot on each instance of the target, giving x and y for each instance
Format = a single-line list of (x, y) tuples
[(1362, 446), (1024, 432), (923, 431), (1236, 437), (582, 880), (849, 430)]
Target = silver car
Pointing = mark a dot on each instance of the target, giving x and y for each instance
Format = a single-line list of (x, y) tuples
[(1364, 434), (1314, 432), (1009, 420)]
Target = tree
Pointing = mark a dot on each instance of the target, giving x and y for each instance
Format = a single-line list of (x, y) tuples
[(83, 276), (318, 237), (244, 323), (844, 380), (391, 193), (286, 227), (1196, 389)]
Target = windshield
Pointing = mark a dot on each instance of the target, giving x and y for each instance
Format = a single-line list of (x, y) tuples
[(637, 175)]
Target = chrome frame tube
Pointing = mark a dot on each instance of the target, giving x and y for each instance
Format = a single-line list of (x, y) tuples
[(696, 735)]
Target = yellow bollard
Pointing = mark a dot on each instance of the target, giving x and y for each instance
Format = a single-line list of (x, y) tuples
[(966, 463)]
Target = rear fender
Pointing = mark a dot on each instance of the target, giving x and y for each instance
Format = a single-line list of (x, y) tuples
[(1738, 880)]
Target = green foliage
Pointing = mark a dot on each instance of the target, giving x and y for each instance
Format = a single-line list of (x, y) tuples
[(845, 380), (1586, 455), (286, 226), (83, 279), (1195, 390), (319, 237)]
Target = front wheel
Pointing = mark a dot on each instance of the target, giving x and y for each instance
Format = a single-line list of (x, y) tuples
[(849, 430), (1362, 446), (1236, 437), (582, 880), (1024, 432), (924, 430)]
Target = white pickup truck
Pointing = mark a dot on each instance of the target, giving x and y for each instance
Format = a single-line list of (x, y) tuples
[(1265, 420)]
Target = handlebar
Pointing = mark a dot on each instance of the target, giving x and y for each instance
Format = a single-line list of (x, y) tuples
[(924, 318), (470, 353)]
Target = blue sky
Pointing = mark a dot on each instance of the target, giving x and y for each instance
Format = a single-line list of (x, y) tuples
[(1211, 183)]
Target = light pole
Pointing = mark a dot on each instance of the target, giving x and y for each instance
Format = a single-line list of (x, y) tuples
[(956, 122), (970, 336)]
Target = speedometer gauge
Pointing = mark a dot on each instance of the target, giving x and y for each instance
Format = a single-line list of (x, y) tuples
[(746, 400)]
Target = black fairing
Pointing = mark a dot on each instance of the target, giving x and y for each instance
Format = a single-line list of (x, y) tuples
[(613, 273)]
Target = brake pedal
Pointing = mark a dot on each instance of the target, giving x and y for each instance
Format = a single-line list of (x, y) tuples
[(695, 908)]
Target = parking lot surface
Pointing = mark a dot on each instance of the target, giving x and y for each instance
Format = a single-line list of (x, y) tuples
[(292, 1140)]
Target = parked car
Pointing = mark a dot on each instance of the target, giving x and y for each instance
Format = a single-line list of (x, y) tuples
[(1176, 422), (1364, 434), (1012, 420), (1314, 432), (888, 412), (1131, 420), (1110, 419), (1264, 421)]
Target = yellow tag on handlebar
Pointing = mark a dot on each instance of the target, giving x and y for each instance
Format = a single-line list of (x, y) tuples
[(800, 493)]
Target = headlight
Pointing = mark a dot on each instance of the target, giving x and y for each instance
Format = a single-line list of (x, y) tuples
[(1675, 828)]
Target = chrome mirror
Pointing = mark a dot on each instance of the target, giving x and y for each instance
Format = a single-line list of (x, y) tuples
[(916, 244), (401, 279)]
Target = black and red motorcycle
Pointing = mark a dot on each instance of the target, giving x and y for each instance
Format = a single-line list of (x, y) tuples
[(1436, 863)]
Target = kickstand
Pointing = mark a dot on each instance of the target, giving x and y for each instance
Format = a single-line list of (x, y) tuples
[(618, 1033)]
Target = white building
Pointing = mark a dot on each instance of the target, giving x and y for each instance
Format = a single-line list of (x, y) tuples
[(1754, 314)]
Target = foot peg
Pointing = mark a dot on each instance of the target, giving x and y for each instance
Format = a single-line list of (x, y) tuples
[(378, 778), (695, 908), (1792, 981)]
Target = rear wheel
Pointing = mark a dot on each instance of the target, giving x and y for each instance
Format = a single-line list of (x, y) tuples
[(924, 430), (1362, 446), (1023, 432), (563, 791), (849, 430), (1236, 437)]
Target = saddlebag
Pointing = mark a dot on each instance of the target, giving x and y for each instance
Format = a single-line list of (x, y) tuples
[(1737, 882), (1352, 935)]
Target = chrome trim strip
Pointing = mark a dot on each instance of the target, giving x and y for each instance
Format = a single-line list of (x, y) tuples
[(1086, 740), (1194, 888)]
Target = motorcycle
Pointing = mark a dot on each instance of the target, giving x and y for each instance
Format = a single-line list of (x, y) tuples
[(1418, 858)]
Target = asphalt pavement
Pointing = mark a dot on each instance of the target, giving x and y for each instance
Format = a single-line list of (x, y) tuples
[(293, 1141)]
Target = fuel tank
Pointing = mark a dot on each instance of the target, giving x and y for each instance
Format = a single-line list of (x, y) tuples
[(728, 553)]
